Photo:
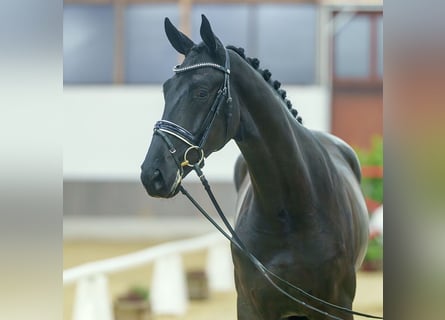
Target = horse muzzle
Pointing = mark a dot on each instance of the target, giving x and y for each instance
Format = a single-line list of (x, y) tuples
[(157, 185)]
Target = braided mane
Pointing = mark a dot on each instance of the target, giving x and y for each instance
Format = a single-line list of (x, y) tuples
[(255, 63)]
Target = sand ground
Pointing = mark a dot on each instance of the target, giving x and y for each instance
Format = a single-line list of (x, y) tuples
[(220, 306)]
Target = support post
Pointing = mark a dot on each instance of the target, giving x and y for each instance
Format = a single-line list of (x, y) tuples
[(168, 292), (220, 268), (92, 300)]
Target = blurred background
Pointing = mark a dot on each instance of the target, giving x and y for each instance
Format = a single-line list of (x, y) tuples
[(328, 55)]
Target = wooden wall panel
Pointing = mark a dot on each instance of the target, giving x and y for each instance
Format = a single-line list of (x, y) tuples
[(357, 117)]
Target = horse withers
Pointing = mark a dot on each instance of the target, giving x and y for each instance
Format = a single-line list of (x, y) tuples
[(300, 209)]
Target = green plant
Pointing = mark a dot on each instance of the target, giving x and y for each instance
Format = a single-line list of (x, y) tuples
[(135, 293), (375, 250), (373, 156), (372, 187)]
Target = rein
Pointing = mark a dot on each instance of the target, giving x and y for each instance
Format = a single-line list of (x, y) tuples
[(196, 142), (236, 241)]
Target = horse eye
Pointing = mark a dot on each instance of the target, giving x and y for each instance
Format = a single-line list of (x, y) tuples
[(202, 93)]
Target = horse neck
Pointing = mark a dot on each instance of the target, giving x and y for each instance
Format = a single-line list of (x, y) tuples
[(271, 140)]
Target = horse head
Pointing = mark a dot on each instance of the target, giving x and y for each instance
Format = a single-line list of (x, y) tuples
[(200, 116)]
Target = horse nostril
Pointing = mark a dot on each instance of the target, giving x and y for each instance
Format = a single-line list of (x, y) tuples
[(157, 181), (153, 182)]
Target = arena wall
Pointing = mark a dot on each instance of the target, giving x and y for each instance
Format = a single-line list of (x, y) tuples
[(107, 131)]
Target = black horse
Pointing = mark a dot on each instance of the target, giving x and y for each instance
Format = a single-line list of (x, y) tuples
[(301, 212)]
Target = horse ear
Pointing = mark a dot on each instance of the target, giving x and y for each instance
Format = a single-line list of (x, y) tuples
[(178, 40), (207, 34)]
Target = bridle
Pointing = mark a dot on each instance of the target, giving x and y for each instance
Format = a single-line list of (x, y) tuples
[(197, 141), (164, 128)]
